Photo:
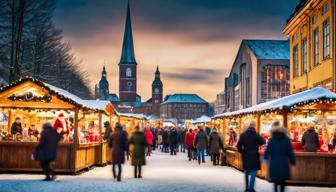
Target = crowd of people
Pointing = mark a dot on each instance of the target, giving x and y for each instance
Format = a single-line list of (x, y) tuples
[(197, 142)]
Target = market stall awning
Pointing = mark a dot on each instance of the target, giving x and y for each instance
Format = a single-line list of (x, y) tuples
[(202, 119), (304, 97)]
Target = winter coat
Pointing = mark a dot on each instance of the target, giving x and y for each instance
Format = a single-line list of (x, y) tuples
[(108, 132), (139, 144), (46, 150), (16, 128), (201, 141), (118, 142), (149, 136), (248, 146), (189, 139), (310, 141), (280, 155), (183, 136), (165, 138), (215, 143), (173, 138)]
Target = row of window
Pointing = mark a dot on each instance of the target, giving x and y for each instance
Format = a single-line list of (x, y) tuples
[(316, 50)]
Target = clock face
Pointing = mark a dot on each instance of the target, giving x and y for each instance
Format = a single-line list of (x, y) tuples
[(156, 90)]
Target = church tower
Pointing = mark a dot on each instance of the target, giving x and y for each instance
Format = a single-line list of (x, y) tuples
[(157, 92), (103, 90), (128, 65)]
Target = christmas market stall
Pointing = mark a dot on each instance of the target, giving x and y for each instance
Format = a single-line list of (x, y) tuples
[(27, 104), (130, 120), (315, 107)]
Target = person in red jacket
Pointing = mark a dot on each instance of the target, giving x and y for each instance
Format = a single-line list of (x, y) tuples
[(189, 141), (149, 137)]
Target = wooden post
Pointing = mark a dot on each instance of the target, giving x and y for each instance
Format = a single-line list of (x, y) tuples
[(75, 144), (224, 130), (100, 127), (258, 123), (285, 118)]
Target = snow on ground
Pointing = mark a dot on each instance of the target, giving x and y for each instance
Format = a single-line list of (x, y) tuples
[(163, 173)]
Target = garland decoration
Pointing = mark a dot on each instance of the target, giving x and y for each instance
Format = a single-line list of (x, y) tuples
[(29, 96)]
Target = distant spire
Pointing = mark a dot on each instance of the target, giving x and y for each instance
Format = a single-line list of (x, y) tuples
[(127, 54), (157, 80)]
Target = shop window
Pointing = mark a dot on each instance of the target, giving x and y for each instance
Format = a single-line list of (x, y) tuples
[(326, 39), (316, 43)]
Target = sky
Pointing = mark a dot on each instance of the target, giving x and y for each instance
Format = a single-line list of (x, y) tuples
[(194, 42)]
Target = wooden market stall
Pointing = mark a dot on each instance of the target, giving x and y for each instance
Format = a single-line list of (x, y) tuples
[(32, 103), (312, 107), (130, 120)]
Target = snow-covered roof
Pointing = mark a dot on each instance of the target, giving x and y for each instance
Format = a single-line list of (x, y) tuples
[(138, 116), (184, 98), (65, 95), (269, 49), (286, 102), (202, 119)]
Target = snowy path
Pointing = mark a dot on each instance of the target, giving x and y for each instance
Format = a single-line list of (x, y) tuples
[(163, 173)]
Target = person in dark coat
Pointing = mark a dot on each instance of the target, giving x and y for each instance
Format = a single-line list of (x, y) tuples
[(215, 146), (139, 143), (173, 141), (46, 150), (280, 156), (165, 141), (118, 142), (183, 144), (201, 144), (108, 130), (16, 127), (310, 140), (248, 145)]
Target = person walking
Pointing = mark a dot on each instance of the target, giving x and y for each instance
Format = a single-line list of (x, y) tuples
[(149, 138), (46, 150), (118, 142), (189, 141), (248, 145), (183, 136), (108, 130), (201, 144), (165, 141), (138, 143), (280, 156), (310, 140), (215, 146), (173, 140)]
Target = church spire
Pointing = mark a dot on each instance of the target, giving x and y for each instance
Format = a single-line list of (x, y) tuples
[(127, 54)]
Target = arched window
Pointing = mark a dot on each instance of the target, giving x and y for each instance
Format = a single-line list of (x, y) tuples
[(129, 86), (128, 72)]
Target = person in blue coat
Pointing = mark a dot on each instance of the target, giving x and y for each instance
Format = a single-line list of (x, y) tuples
[(279, 154)]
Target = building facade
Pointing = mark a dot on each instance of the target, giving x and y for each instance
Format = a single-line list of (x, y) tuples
[(259, 73), (152, 105), (311, 32), (219, 105), (183, 107)]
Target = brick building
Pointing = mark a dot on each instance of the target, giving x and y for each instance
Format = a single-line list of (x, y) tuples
[(183, 107)]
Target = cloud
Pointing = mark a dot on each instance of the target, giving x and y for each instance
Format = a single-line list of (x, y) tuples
[(192, 75)]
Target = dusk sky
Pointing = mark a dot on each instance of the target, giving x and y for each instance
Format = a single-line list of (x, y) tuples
[(194, 42)]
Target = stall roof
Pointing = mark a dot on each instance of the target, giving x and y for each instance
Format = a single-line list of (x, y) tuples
[(138, 116), (202, 119), (303, 97), (62, 94)]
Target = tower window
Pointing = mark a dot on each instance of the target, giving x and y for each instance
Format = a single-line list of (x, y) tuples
[(128, 72), (129, 86)]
